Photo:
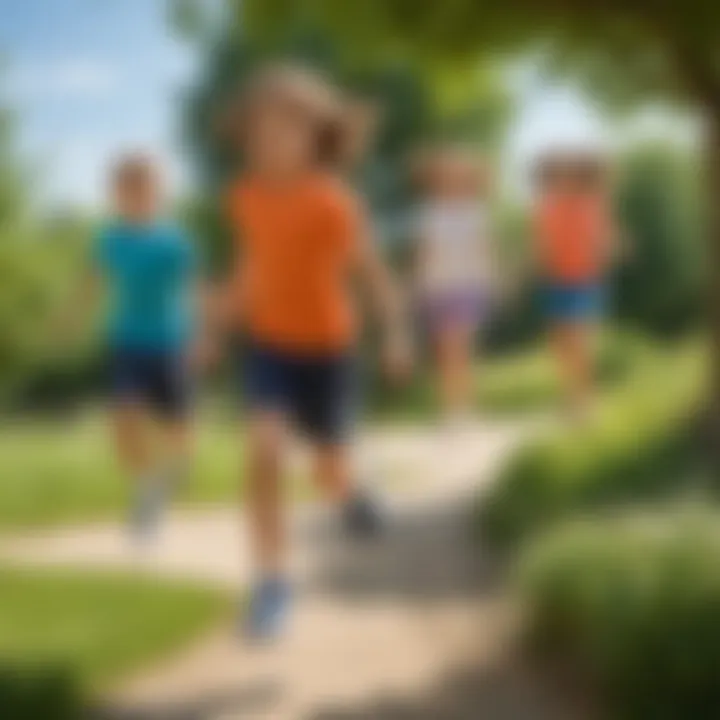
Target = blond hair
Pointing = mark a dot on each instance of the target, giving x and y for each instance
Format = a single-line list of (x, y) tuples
[(305, 91)]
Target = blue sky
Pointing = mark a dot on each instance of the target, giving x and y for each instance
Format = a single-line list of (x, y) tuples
[(91, 78)]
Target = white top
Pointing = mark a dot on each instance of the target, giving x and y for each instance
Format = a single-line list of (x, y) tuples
[(455, 252)]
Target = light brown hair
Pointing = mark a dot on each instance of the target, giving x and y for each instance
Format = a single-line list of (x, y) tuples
[(298, 89), (586, 170), (132, 170), (426, 165)]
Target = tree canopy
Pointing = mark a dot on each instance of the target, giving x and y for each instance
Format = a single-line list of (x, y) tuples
[(624, 46)]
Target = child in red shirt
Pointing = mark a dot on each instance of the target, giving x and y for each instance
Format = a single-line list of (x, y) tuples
[(301, 236), (574, 244)]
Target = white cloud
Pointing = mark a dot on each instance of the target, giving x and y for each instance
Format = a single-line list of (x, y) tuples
[(78, 77)]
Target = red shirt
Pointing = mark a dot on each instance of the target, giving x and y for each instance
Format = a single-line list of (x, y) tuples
[(573, 235), (298, 245)]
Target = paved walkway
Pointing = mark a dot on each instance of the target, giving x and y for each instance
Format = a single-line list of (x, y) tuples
[(409, 626)]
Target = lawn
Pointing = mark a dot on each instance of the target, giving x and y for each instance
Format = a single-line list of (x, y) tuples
[(52, 471), (64, 636), (642, 444)]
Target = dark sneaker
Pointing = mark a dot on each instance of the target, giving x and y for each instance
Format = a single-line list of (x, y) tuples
[(363, 517), (267, 610)]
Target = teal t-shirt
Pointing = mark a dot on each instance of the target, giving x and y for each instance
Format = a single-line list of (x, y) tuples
[(150, 270)]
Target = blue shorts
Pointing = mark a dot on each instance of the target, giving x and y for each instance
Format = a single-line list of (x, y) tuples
[(158, 380), (566, 302), (318, 393)]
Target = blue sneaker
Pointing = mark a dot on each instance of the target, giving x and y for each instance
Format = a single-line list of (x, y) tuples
[(267, 610)]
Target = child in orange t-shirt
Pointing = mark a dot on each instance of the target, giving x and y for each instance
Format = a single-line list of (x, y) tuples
[(574, 237), (301, 235)]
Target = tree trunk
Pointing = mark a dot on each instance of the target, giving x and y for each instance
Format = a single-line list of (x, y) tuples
[(713, 233)]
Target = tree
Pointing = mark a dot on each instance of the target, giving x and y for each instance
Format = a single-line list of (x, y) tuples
[(38, 262), (416, 103), (630, 50), (660, 285)]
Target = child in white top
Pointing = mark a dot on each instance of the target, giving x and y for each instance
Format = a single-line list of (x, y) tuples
[(454, 271)]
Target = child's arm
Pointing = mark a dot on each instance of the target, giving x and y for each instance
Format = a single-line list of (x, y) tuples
[(218, 306), (388, 305)]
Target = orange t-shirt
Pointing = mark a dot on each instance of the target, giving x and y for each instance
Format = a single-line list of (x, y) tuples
[(573, 233), (296, 247)]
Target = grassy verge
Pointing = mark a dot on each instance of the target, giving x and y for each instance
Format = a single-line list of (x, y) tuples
[(631, 606), (64, 636), (643, 445), (56, 472)]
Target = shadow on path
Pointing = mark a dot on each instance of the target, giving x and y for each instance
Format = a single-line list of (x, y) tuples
[(504, 693), (428, 552), (250, 701)]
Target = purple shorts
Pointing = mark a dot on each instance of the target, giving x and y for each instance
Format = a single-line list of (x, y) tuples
[(451, 309)]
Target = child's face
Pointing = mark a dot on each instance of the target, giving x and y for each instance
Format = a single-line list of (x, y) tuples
[(281, 139), (453, 179), (137, 199)]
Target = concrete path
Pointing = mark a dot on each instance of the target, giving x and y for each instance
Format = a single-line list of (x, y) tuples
[(408, 626)]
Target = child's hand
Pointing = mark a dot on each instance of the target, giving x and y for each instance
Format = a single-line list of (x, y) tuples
[(398, 357), (205, 354)]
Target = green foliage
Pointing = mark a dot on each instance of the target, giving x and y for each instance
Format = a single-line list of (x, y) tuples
[(630, 49), (38, 269), (632, 605), (417, 102), (641, 446), (660, 285), (66, 634)]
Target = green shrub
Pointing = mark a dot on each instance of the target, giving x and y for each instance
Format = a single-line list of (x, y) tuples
[(632, 605), (50, 693), (642, 445)]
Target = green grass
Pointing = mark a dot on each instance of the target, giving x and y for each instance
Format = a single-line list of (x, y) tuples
[(641, 446), (55, 472), (91, 630), (632, 605), (522, 382)]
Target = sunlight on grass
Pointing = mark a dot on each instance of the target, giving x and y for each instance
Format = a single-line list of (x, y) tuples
[(66, 471), (97, 628)]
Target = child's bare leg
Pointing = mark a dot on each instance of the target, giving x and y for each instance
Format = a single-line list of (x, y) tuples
[(573, 343), (270, 594), (455, 370), (264, 491), (178, 445), (334, 471), (132, 445), (132, 438), (335, 475)]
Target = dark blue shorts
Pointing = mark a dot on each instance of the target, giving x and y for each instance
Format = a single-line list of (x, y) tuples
[(318, 393), (158, 380), (565, 302)]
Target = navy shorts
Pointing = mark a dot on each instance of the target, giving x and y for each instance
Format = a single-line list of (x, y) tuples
[(318, 393), (158, 380), (574, 302)]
